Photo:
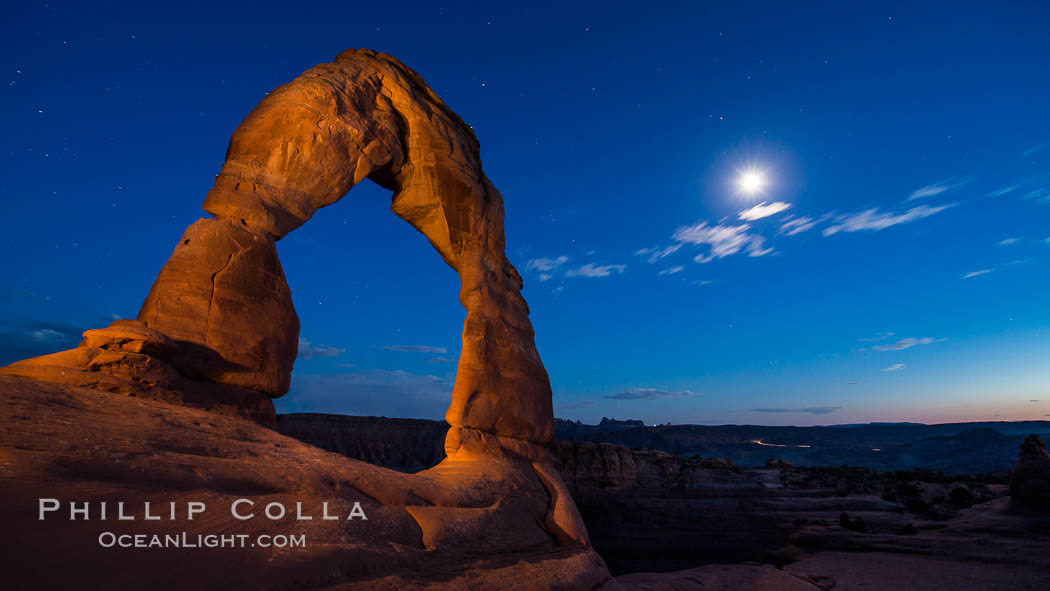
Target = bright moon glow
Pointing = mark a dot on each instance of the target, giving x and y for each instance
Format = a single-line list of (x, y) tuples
[(751, 182)]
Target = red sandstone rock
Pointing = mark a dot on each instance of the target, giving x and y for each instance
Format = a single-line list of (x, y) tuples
[(223, 298)]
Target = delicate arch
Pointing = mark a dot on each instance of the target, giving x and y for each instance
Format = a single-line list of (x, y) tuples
[(222, 296)]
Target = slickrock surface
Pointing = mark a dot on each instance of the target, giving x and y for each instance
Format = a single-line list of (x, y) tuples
[(488, 517)]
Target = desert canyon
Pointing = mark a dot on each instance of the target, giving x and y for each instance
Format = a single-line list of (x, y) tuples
[(175, 406)]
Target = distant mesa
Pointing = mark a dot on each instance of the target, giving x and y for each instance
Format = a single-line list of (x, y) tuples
[(607, 422)]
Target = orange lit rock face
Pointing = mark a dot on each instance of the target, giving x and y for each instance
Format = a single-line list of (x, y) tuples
[(222, 297)]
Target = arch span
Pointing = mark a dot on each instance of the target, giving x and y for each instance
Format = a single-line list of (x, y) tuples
[(305, 146)]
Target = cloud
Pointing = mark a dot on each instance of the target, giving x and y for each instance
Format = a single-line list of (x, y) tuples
[(47, 335), (1033, 150), (935, 189), (672, 270), (24, 340), (657, 254), (763, 210), (546, 264), (797, 225), (309, 351), (590, 270), (647, 394), (722, 241), (903, 344), (572, 405), (813, 410), (441, 360), (878, 337), (894, 367), (1002, 191), (1008, 241), (545, 276), (873, 219), (374, 392), (977, 273), (415, 349)]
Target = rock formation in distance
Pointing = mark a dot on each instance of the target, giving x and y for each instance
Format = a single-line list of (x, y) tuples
[(1030, 481)]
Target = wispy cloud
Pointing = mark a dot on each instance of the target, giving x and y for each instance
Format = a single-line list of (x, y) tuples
[(1008, 241), (873, 219), (797, 225), (415, 349), (672, 270), (1033, 150), (47, 335), (763, 210), (647, 394), (310, 351), (905, 344), (813, 410), (721, 240), (878, 337), (657, 254), (546, 264), (936, 188), (976, 273), (590, 270), (894, 367), (25, 340), (1002, 191), (572, 405), (441, 360)]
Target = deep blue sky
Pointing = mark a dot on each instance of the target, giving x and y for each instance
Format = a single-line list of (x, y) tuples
[(909, 144)]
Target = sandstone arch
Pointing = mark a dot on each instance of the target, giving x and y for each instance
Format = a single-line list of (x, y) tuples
[(218, 330), (222, 299)]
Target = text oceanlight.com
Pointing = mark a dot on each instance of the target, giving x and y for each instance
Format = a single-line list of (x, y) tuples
[(185, 540)]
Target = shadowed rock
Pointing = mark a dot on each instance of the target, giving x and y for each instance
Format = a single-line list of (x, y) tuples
[(1030, 481)]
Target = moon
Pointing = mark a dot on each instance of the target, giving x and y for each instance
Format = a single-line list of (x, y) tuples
[(751, 182)]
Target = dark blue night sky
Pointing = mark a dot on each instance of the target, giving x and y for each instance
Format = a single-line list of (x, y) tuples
[(892, 266)]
